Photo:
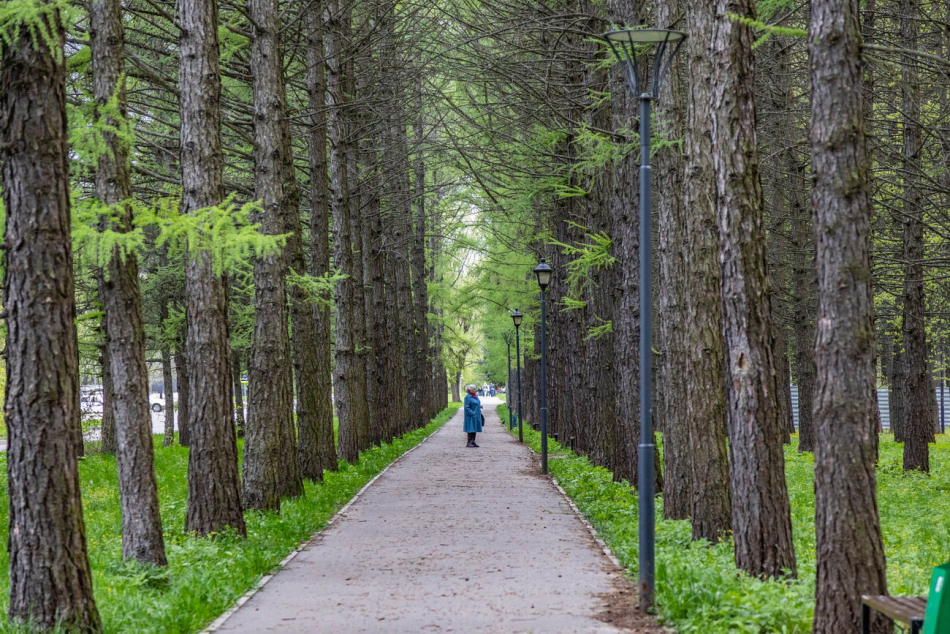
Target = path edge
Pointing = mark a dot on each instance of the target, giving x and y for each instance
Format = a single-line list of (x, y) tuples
[(580, 515), (220, 621), (590, 528)]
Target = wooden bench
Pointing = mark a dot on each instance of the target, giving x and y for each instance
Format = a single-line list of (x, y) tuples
[(907, 610)]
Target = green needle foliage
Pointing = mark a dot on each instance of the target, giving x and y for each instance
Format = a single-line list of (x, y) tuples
[(699, 589), (204, 576)]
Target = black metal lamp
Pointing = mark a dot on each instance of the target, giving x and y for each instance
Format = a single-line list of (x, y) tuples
[(626, 45), (517, 317), (543, 271)]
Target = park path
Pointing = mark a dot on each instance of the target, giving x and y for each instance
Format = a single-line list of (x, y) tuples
[(450, 539)]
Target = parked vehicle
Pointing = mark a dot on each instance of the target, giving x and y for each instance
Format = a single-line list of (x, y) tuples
[(156, 401)]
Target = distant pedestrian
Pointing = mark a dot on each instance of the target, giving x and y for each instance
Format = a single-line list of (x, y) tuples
[(473, 414)]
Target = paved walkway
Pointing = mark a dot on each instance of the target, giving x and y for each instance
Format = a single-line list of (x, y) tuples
[(450, 539)]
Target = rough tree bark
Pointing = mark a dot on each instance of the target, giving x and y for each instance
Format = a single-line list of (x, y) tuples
[(318, 453), (138, 488), (214, 492), (420, 294), (167, 379), (710, 505), (107, 445), (624, 202), (849, 548), (168, 382), (270, 389), (344, 384), (50, 580), (804, 290), (238, 391), (670, 288), (184, 427), (761, 523), (918, 419)]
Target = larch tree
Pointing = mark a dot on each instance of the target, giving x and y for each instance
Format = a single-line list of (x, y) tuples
[(918, 421), (50, 578), (317, 445), (346, 377), (849, 548), (138, 488), (214, 494), (704, 348), (270, 447), (761, 522)]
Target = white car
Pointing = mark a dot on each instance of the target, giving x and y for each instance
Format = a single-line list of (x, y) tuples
[(156, 401)]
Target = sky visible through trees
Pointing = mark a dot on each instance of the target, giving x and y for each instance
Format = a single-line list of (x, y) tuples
[(308, 222)]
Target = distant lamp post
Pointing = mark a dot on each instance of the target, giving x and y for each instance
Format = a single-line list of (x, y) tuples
[(511, 415), (543, 272), (516, 318), (664, 44)]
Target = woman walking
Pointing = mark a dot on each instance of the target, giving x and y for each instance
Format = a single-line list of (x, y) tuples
[(473, 414)]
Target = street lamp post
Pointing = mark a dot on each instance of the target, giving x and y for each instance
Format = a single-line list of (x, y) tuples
[(665, 44), (543, 272), (517, 317), (511, 420)]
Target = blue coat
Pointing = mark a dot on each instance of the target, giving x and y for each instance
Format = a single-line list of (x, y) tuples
[(473, 414)]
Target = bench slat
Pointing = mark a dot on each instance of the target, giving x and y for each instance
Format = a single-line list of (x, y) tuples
[(900, 609)]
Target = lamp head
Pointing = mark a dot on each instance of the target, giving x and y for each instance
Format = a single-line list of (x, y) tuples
[(517, 317), (543, 271), (627, 44)]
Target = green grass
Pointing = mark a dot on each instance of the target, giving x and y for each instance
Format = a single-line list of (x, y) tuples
[(205, 576), (698, 587)]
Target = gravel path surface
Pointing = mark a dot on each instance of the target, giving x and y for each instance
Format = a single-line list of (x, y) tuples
[(450, 539)]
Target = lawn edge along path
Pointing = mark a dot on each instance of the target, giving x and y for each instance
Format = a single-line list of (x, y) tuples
[(430, 429)]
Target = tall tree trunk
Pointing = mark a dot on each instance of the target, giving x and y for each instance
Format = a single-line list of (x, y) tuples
[(626, 248), (345, 374), (238, 390), (184, 398), (318, 451), (804, 285), (705, 396), (849, 548), (138, 488), (918, 421), (761, 523), (671, 287), (50, 580), (898, 400), (214, 493), (108, 443), (168, 382), (420, 294), (777, 281), (270, 390)]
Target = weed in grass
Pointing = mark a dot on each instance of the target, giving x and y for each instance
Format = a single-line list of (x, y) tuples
[(204, 576), (699, 588)]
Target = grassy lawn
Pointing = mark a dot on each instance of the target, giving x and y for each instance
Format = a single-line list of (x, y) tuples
[(698, 587), (205, 576)]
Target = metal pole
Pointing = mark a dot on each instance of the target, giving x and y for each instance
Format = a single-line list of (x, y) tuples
[(518, 366), (511, 422), (646, 448), (544, 387)]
